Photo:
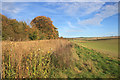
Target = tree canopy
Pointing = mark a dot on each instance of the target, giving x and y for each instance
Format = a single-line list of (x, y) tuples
[(42, 28), (14, 30), (45, 27)]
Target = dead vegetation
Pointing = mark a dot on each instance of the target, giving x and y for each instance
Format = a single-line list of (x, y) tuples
[(25, 47), (24, 59)]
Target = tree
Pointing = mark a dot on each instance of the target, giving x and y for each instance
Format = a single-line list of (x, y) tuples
[(14, 30), (42, 28), (45, 26)]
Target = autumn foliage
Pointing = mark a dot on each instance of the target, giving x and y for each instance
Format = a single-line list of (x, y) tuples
[(42, 28), (14, 30), (45, 27)]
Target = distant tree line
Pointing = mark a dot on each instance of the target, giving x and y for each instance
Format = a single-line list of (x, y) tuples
[(42, 28)]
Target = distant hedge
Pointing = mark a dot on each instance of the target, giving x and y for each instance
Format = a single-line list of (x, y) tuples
[(42, 28)]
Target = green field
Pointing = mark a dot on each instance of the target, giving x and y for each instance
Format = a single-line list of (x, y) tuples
[(109, 47)]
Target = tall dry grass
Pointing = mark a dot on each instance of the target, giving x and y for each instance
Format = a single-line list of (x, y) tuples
[(25, 47), (33, 58)]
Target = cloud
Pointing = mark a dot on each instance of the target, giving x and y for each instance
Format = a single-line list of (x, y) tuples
[(91, 7), (60, 0), (97, 11), (70, 25), (74, 31), (103, 13), (10, 8), (80, 8)]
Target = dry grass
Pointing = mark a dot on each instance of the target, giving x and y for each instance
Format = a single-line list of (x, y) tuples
[(29, 46), (54, 59), (24, 59)]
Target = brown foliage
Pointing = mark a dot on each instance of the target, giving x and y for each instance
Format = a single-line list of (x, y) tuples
[(44, 24), (42, 28)]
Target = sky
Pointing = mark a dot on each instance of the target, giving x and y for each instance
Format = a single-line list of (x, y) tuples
[(73, 19)]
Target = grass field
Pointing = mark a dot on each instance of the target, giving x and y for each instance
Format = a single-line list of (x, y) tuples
[(109, 47), (31, 59), (55, 59)]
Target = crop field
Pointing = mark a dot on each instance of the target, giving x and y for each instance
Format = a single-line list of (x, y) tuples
[(55, 59), (109, 47)]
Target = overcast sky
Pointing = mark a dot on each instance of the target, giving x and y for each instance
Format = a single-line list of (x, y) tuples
[(73, 19)]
